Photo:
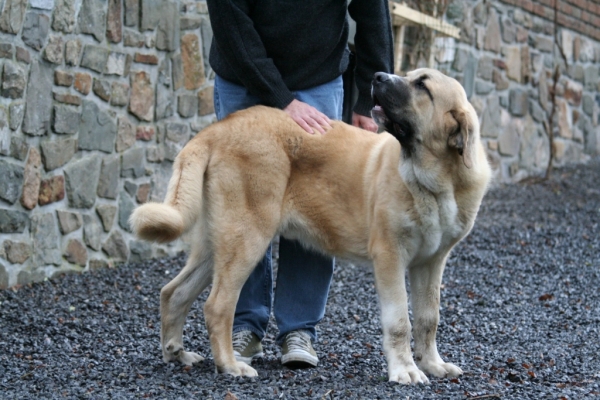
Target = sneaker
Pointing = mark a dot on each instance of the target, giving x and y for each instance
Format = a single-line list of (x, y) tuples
[(297, 351), (246, 346)]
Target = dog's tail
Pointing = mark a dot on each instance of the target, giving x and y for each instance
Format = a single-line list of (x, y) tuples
[(165, 222)]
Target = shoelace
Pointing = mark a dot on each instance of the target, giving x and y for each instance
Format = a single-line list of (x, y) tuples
[(241, 339), (297, 341)]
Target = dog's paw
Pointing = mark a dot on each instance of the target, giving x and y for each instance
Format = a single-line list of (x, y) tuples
[(441, 369), (407, 375), (189, 358), (238, 369)]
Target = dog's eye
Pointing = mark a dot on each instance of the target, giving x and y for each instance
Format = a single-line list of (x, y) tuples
[(421, 84)]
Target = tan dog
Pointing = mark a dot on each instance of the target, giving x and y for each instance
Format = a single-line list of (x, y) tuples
[(399, 200)]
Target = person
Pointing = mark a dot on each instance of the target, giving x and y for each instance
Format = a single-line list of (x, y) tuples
[(291, 55)]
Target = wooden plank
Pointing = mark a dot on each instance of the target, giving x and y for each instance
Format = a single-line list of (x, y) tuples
[(404, 15), (398, 48)]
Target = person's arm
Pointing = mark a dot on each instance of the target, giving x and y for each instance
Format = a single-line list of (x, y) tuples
[(242, 48), (374, 53)]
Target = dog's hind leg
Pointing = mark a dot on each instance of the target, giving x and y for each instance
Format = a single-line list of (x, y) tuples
[(236, 255), (425, 283), (176, 299), (390, 283)]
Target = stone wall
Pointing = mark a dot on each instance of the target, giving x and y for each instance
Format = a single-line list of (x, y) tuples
[(506, 58), (98, 96), (96, 99)]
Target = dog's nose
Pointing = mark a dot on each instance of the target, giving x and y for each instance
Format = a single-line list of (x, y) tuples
[(381, 77)]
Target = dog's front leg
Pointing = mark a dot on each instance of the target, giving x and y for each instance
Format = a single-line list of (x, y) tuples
[(390, 281), (425, 283)]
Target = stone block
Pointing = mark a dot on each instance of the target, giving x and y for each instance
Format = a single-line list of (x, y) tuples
[(58, 152), (11, 182), (193, 66), (66, 98), (95, 264), (76, 253), (167, 33), (508, 142), (132, 12), (132, 163), (45, 240), (63, 78), (22, 55), (35, 30), (66, 119), (565, 122), (52, 190), (38, 99), (42, 4), (95, 58), (73, 52), (176, 132), (31, 181), (13, 221), (150, 59), (143, 193), (492, 40), (125, 134), (14, 80), (98, 130), (187, 105), (590, 77), (126, 207), (3, 277), (190, 22), (107, 214), (54, 50), (81, 178), (139, 251), (141, 103), (145, 132), (11, 19), (206, 104), (165, 102), (114, 26), (83, 82), (17, 252), (16, 111), (7, 50), (101, 88), (63, 17), (151, 13), (118, 64), (108, 183), (116, 247), (92, 232), (92, 18), (119, 94), (133, 38), (68, 221), (518, 104), (155, 154)]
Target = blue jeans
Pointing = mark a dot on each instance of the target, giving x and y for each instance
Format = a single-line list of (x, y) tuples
[(304, 276)]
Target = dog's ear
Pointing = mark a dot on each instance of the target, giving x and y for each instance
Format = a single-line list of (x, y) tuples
[(460, 135)]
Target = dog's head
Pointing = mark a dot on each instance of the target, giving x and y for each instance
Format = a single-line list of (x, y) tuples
[(426, 110)]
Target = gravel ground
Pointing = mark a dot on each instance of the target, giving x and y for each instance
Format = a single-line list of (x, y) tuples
[(520, 314)]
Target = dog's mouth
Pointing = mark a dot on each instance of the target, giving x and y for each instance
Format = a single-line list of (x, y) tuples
[(384, 121)]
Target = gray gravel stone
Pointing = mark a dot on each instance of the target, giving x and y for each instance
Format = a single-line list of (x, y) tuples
[(98, 130), (11, 182), (81, 181)]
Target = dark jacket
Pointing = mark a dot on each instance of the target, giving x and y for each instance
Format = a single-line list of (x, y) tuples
[(274, 47)]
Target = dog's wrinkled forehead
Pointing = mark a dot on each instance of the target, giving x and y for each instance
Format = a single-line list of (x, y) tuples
[(443, 87)]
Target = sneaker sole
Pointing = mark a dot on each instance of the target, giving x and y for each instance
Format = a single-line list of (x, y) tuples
[(248, 360), (299, 360)]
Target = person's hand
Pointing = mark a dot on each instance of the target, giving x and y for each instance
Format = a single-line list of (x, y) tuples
[(308, 117), (364, 122)]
